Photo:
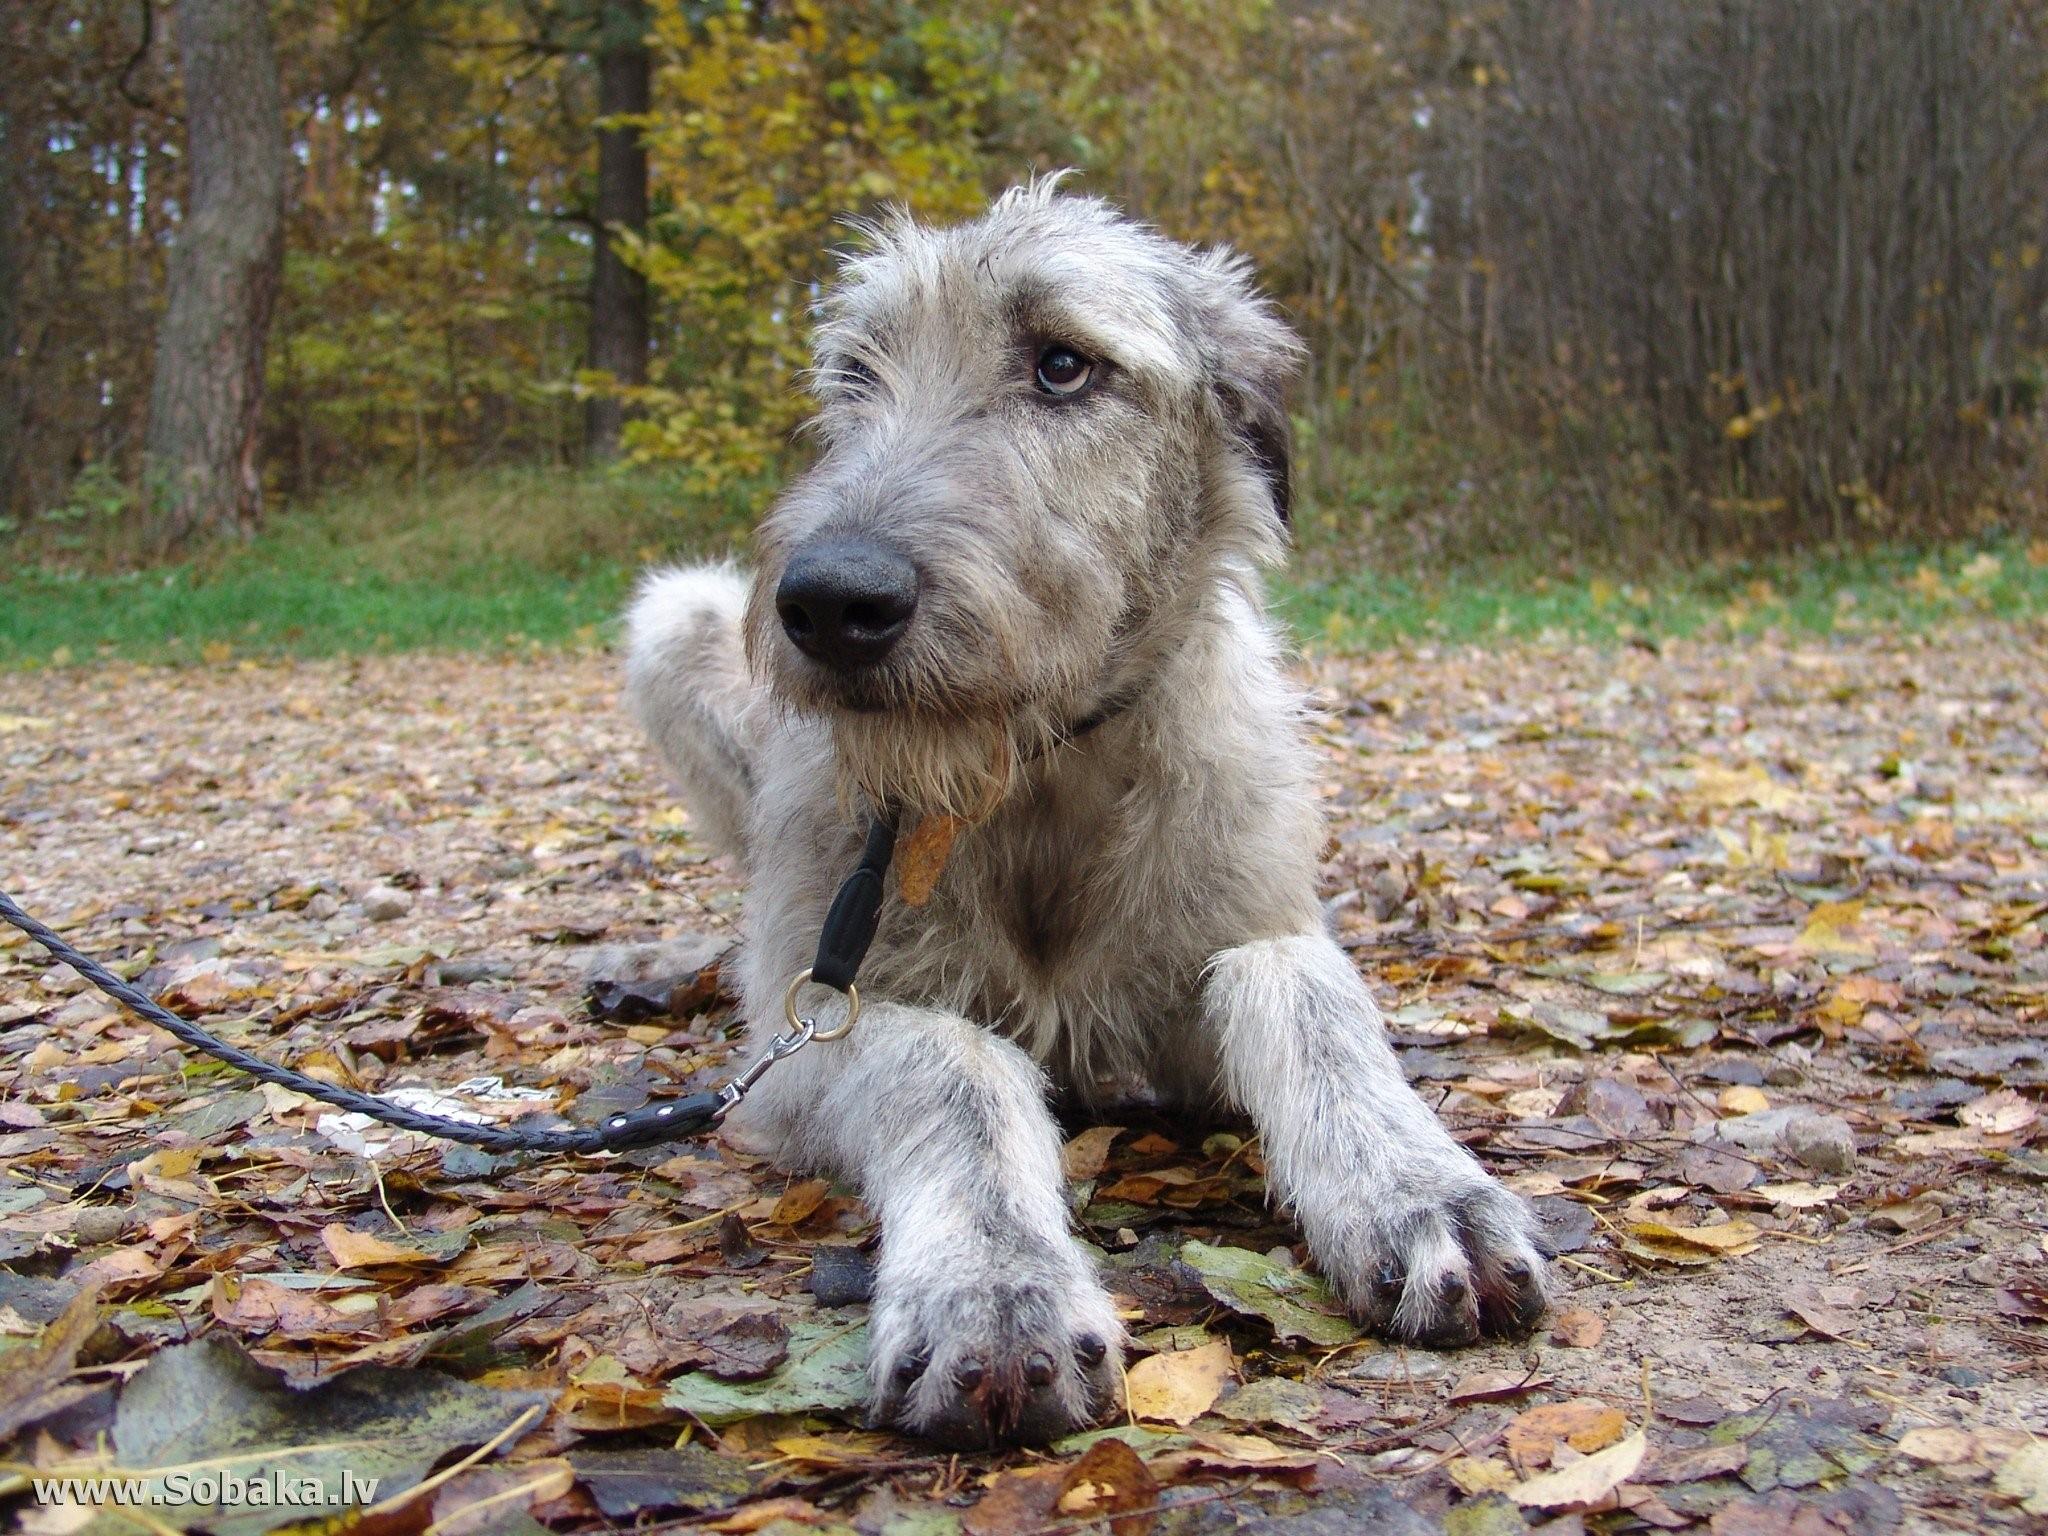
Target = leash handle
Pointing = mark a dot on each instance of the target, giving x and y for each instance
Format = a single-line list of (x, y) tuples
[(856, 911)]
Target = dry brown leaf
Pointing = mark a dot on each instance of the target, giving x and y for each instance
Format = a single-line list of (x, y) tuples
[(1940, 1445), (2000, 1113), (1110, 1480), (922, 857), (1181, 1386), (798, 1202), (1583, 1423), (364, 1250), (1578, 1328), (1088, 1153)]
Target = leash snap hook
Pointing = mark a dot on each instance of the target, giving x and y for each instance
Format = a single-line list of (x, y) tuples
[(808, 1027)]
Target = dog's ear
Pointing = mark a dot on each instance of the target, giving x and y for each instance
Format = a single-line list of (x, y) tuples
[(1251, 356), (1257, 413)]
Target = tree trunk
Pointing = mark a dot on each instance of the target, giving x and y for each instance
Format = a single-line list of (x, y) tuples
[(618, 294), (225, 264), (14, 212)]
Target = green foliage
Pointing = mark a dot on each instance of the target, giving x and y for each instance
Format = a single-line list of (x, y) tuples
[(548, 558), (768, 134)]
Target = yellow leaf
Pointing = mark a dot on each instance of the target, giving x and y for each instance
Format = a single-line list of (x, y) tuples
[(1475, 1475), (1180, 1387), (1750, 784), (1584, 1483), (214, 652), (1731, 1237), (1830, 930), (831, 1450), (2025, 1477), (1742, 1099)]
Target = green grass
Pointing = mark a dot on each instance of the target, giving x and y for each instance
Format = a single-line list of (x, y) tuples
[(465, 563), (1815, 594), (547, 558)]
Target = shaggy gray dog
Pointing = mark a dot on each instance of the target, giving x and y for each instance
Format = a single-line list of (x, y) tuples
[(1020, 589)]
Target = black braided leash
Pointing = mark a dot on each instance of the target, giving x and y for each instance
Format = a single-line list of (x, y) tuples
[(849, 930)]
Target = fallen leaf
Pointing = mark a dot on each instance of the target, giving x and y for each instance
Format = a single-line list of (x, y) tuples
[(362, 1250), (1730, 1238), (1583, 1483), (798, 1202), (1800, 1196), (1939, 1445), (922, 858), (1578, 1328), (37, 1381), (384, 1428), (1474, 1475), (1088, 1153), (1832, 928), (1179, 1388), (1584, 1423), (1741, 1099), (1296, 1304), (825, 1372), (1110, 1481), (2024, 1476), (2000, 1113)]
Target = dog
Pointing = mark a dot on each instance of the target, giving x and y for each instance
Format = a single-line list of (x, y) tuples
[(1017, 600)]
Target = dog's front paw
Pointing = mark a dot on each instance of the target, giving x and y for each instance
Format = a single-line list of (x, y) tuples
[(1439, 1256), (975, 1350)]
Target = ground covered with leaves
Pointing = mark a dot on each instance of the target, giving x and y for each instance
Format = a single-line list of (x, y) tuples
[(1732, 958)]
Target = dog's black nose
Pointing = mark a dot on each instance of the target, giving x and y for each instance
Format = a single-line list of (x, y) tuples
[(846, 603)]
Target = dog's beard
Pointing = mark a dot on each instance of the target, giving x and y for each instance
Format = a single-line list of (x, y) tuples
[(964, 766)]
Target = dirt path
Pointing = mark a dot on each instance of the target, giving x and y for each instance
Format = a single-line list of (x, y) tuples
[(1735, 959)]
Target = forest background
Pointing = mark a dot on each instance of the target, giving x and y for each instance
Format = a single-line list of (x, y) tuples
[(417, 321)]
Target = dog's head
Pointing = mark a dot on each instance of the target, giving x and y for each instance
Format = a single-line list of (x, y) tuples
[(1045, 434)]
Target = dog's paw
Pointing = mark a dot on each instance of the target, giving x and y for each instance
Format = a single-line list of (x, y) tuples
[(1442, 1258), (974, 1353)]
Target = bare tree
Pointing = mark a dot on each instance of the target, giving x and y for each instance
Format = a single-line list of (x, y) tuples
[(618, 292), (207, 393)]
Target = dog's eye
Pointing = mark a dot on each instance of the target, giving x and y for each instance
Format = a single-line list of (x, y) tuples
[(1063, 371), (852, 373)]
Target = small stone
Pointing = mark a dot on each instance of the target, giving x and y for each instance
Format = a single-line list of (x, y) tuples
[(841, 1275), (97, 1224), (321, 906), (1822, 1142), (382, 903)]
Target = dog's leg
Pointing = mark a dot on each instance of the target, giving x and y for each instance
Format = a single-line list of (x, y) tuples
[(989, 1322), (1421, 1242), (686, 679)]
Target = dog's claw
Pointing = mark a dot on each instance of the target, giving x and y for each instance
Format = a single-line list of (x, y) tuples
[(1444, 1275), (1010, 1361)]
